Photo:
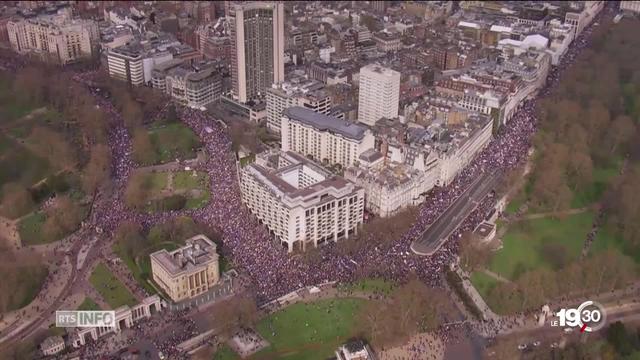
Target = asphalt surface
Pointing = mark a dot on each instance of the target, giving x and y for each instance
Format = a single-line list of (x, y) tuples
[(438, 232)]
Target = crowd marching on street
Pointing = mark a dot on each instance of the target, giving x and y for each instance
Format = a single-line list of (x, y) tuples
[(253, 253)]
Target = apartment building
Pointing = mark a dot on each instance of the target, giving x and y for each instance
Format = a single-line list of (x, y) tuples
[(56, 37), (323, 138), (301, 203), (307, 93), (257, 40), (379, 94), (411, 160), (187, 271)]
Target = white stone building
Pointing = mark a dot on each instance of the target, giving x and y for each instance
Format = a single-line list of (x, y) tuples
[(379, 94), (56, 37), (301, 203), (52, 345), (125, 318), (187, 271), (413, 160), (631, 6), (324, 138)]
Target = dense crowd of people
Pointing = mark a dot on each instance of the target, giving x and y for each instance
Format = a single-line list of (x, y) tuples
[(249, 245)]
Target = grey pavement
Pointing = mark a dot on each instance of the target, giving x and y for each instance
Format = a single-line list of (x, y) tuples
[(438, 232)]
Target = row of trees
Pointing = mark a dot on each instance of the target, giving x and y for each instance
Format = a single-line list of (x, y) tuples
[(603, 272), (133, 241), (590, 122), (409, 309)]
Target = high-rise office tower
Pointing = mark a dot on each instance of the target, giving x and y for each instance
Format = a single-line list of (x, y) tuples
[(379, 94), (257, 36)]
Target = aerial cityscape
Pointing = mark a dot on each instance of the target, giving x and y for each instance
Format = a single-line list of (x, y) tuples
[(349, 180)]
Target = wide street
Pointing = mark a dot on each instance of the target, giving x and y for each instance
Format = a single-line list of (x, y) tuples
[(435, 235)]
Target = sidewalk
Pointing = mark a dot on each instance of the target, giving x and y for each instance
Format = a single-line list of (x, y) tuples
[(487, 313)]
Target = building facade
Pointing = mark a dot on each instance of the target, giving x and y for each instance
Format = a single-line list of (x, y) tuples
[(125, 63), (281, 96), (188, 271), (52, 345), (257, 41), (55, 37), (631, 6), (301, 203), (323, 138), (195, 88), (379, 94)]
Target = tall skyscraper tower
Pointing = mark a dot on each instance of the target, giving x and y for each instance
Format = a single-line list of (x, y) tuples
[(257, 36), (379, 94)]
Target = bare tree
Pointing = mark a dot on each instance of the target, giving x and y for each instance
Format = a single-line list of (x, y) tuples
[(16, 200), (98, 169)]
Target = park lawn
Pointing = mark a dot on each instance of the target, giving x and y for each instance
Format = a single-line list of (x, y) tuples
[(515, 204), (174, 141), (30, 229), (112, 290), (522, 244), (21, 165), (88, 305), (370, 285), (184, 180), (309, 330), (483, 283), (13, 110), (194, 188), (198, 202), (158, 181), (225, 353), (27, 281)]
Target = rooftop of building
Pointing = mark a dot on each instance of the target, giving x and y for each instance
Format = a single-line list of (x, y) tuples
[(51, 341), (282, 171), (299, 85), (484, 229), (197, 251), (323, 122), (379, 69)]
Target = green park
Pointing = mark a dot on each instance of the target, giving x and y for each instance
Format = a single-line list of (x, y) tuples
[(110, 288), (305, 330), (167, 190)]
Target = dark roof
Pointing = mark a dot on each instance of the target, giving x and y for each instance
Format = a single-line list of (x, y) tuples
[(325, 123), (355, 345)]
